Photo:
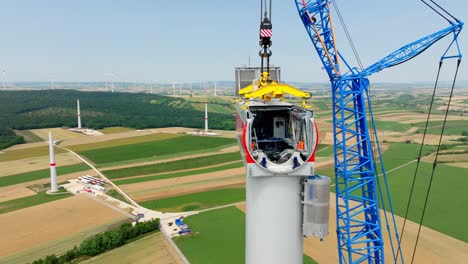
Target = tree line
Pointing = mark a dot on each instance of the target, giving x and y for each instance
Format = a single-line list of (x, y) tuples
[(103, 242), (57, 108)]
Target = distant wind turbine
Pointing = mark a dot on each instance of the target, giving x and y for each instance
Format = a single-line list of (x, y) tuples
[(52, 81), (3, 79)]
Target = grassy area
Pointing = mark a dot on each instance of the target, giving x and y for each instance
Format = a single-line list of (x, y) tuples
[(115, 194), (324, 150), (29, 201), (149, 249), (29, 136), (155, 149), (123, 141), (453, 127), (212, 242), (197, 201), (179, 174), (447, 196), (27, 153), (173, 165), (40, 174), (113, 130), (392, 126)]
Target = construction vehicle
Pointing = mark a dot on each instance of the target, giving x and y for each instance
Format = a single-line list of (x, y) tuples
[(278, 142)]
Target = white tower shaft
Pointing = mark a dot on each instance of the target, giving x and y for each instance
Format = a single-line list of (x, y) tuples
[(206, 117), (78, 113), (215, 88), (274, 220), (53, 170)]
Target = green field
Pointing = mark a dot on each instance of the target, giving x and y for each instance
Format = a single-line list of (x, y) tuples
[(40, 174), (156, 149), (324, 150), (218, 237), (29, 201), (452, 127), (197, 201), (393, 126), (122, 142), (27, 153), (173, 165), (115, 194), (179, 174), (444, 212)]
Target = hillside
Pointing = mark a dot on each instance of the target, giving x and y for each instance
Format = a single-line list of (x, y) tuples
[(56, 108)]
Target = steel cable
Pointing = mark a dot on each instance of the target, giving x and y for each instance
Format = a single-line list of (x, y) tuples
[(434, 165)]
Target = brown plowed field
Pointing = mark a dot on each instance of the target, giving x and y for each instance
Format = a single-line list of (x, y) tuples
[(190, 189), (36, 163), (58, 133), (33, 226), (14, 192), (138, 187), (21, 190)]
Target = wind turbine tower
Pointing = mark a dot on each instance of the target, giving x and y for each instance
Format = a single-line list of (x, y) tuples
[(206, 118), (3, 79), (215, 87), (78, 113), (53, 170)]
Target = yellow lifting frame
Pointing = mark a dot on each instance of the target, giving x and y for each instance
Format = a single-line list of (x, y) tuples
[(269, 89)]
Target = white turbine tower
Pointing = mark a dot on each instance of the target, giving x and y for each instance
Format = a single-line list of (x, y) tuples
[(206, 118), (53, 170), (78, 113), (3, 79), (215, 87), (52, 81)]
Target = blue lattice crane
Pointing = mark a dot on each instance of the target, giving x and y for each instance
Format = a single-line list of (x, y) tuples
[(358, 188)]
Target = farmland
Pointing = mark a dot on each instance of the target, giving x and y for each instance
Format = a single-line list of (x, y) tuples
[(166, 170), (173, 165), (132, 138), (179, 174), (218, 236), (29, 201), (150, 249), (156, 149), (40, 174), (20, 245), (16, 154), (197, 201)]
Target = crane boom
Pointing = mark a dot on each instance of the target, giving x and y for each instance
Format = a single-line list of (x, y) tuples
[(415, 48)]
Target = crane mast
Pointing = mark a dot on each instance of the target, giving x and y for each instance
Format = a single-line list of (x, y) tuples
[(357, 184)]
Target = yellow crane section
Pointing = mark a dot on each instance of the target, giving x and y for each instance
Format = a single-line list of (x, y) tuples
[(267, 89)]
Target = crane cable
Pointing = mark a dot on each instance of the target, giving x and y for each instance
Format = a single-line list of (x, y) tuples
[(420, 153), (348, 36), (434, 164), (424, 137)]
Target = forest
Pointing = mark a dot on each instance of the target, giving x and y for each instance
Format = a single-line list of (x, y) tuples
[(57, 108)]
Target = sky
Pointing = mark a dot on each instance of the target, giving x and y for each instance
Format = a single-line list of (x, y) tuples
[(192, 41)]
